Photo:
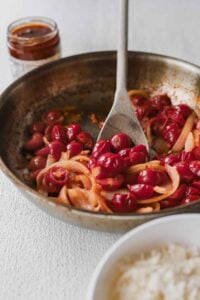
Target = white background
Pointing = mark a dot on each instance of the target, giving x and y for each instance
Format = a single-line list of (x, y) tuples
[(40, 257)]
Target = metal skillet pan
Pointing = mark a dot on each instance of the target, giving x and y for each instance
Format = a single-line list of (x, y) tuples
[(86, 82)]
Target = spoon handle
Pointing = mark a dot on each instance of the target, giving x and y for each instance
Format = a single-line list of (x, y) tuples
[(122, 117), (122, 46)]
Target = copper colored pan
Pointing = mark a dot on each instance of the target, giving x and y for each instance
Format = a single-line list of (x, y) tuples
[(87, 82)]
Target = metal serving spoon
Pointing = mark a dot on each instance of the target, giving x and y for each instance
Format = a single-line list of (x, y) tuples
[(121, 117)]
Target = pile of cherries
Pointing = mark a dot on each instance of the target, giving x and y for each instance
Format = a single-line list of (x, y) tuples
[(110, 159), (166, 121), (109, 163), (58, 139), (188, 167)]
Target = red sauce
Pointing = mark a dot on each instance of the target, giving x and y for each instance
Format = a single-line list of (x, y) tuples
[(33, 41)]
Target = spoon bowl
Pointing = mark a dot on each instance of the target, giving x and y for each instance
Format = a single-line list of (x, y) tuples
[(122, 117)]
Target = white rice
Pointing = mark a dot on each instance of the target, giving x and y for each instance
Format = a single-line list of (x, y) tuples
[(168, 273)]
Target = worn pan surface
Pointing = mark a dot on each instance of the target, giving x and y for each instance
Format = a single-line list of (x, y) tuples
[(87, 82)]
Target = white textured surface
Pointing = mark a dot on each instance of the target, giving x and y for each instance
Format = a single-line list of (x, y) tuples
[(40, 257)]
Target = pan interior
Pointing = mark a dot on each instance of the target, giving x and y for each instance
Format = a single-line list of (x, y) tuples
[(84, 85)]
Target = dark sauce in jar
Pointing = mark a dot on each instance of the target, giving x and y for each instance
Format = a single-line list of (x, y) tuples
[(33, 39), (32, 30)]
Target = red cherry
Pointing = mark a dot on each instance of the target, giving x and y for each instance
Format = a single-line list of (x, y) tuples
[(111, 184), (120, 141), (112, 163), (99, 172), (141, 191), (139, 148), (160, 101), (158, 124), (189, 199), (175, 115), (123, 203), (150, 111), (135, 158), (37, 162), (141, 111), (92, 163), (35, 142), (58, 176), (43, 151), (175, 198), (196, 184), (171, 159), (138, 100), (58, 134), (56, 148), (72, 130), (190, 190), (48, 186), (48, 131), (102, 146), (149, 176), (187, 156), (171, 133), (38, 126), (131, 157), (86, 139), (124, 152), (163, 177), (194, 167), (184, 171), (52, 117), (74, 148), (184, 109), (130, 179), (196, 153)]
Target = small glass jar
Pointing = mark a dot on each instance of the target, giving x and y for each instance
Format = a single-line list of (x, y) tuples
[(32, 42)]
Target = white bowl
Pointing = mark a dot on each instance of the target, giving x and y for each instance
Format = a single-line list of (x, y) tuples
[(182, 229)]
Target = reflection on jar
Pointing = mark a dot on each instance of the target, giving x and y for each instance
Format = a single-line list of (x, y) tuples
[(32, 42)]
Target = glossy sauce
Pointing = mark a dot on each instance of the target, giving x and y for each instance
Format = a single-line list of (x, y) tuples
[(33, 41)]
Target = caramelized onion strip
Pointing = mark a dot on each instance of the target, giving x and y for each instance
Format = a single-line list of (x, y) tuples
[(63, 196), (187, 128), (138, 93), (155, 164)]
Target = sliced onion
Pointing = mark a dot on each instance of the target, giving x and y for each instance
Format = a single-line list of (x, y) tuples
[(144, 210), (50, 160), (79, 198), (178, 146), (102, 201), (162, 189), (155, 207), (151, 164), (81, 158), (196, 133), (175, 179), (69, 165), (62, 197), (64, 156), (45, 140), (96, 194), (149, 134), (189, 143), (137, 92), (86, 182)]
